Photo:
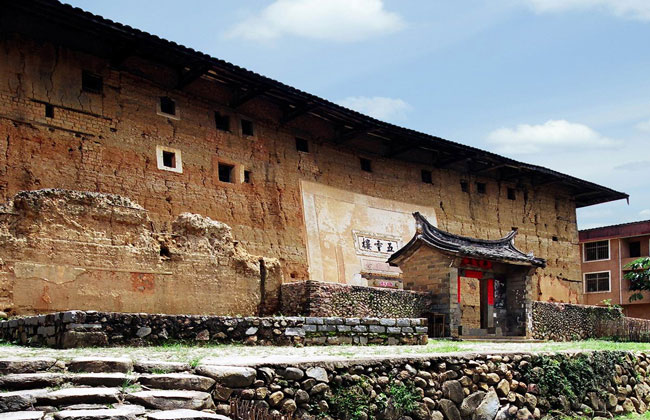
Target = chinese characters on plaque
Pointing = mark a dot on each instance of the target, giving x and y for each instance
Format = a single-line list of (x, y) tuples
[(376, 244)]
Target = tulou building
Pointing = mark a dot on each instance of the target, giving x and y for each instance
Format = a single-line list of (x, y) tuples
[(138, 175)]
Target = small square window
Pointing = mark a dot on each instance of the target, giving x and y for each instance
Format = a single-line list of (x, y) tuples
[(247, 128), (49, 111), (169, 159), (222, 121), (167, 105), (555, 239), (247, 177), (464, 186), (91, 82), (481, 187), (302, 145), (226, 172), (427, 178), (635, 249), (512, 194), (366, 164)]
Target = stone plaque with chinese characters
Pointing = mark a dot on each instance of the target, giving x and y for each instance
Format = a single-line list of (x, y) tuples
[(376, 245)]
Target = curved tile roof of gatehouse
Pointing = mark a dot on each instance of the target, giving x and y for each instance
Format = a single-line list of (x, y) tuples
[(502, 250)]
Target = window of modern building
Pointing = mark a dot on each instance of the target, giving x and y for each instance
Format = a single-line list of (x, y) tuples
[(222, 121), (635, 249), (247, 128), (91, 82), (427, 177), (595, 251), (597, 282), (366, 164)]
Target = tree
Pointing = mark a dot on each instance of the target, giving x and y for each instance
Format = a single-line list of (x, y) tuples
[(639, 277)]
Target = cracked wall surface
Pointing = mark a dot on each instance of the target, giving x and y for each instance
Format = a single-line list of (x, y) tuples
[(78, 250), (106, 143)]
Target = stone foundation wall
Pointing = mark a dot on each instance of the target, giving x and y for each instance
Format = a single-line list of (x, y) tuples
[(313, 298), (566, 322), (81, 329), (452, 387)]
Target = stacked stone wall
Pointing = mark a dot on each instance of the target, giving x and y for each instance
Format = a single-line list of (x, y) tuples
[(567, 322), (313, 298), (82, 329), (452, 387)]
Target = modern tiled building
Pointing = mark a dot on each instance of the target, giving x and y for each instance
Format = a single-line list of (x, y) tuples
[(605, 251)]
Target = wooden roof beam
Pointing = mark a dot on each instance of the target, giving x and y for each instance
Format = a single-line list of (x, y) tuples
[(185, 77), (292, 113), (244, 96)]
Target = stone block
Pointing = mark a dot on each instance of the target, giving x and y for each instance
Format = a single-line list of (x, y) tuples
[(377, 329)]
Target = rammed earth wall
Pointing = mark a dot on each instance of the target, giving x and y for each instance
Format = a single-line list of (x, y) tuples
[(565, 322), (81, 329), (314, 298), (453, 387)]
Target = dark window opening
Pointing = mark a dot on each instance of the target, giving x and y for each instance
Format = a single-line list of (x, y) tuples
[(225, 172), (169, 159), (247, 177), (246, 127), (481, 187), (464, 186), (222, 121), (91, 82), (366, 164), (596, 251), (514, 228), (302, 145), (635, 249), (555, 239), (167, 105), (427, 178), (512, 194), (164, 251), (597, 282), (49, 111)]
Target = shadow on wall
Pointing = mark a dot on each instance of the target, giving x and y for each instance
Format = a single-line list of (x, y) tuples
[(64, 249)]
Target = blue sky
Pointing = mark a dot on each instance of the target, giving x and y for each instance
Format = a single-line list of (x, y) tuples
[(559, 83)]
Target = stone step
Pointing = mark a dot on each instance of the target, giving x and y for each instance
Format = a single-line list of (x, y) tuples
[(184, 381), (231, 376), (172, 399), (20, 400), (184, 415), (122, 412), (25, 365), (23, 415), (80, 396), (101, 379), (159, 366), (31, 380), (100, 364)]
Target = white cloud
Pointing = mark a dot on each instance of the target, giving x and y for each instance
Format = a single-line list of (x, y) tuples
[(645, 213), (331, 20), (382, 108), (644, 126), (634, 9), (552, 136)]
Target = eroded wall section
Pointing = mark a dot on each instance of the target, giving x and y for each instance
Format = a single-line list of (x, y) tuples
[(65, 250)]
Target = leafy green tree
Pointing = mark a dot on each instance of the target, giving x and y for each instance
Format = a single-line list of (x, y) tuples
[(639, 277)]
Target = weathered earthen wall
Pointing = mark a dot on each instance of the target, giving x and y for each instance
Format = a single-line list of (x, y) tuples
[(313, 298), (566, 322), (88, 329), (66, 250), (106, 143)]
